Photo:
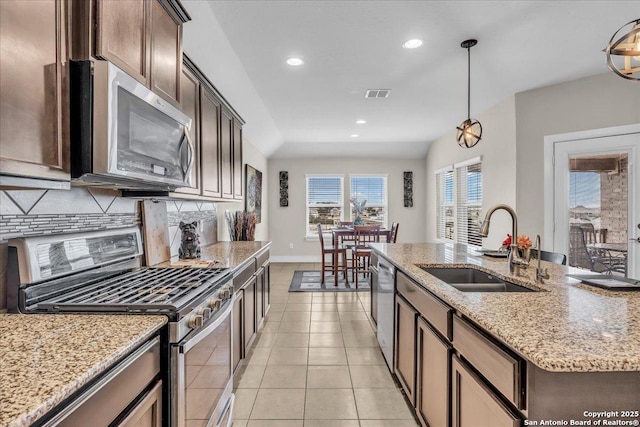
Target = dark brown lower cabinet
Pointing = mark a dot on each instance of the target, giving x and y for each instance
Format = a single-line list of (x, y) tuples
[(267, 288), (237, 341), (259, 297), (473, 403), (405, 348), (147, 413), (433, 404), (249, 317)]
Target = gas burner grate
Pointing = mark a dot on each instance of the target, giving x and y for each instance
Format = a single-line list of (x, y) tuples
[(159, 288)]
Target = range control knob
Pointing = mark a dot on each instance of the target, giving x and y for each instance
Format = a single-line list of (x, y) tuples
[(195, 321), (205, 312), (214, 304), (230, 287), (224, 293)]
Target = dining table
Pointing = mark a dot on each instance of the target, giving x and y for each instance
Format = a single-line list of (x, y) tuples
[(620, 248), (348, 233)]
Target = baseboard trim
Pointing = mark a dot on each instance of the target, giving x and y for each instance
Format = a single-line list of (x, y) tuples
[(298, 258)]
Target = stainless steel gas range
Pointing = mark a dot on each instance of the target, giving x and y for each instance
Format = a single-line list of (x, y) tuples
[(100, 272)]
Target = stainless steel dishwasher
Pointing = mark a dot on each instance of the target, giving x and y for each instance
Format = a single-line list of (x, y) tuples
[(385, 316)]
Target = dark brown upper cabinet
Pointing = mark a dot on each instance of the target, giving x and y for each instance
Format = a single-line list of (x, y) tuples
[(190, 105), (226, 145), (142, 37), (34, 103), (210, 143), (237, 161)]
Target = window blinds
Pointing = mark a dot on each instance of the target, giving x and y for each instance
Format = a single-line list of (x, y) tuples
[(373, 189), (469, 203), (444, 201), (324, 202)]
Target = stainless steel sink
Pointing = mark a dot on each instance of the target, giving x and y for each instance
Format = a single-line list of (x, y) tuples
[(471, 280)]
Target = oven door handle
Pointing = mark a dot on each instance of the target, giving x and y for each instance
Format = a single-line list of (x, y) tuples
[(189, 342)]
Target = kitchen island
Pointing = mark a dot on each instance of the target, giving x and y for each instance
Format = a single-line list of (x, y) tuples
[(554, 353), (46, 358)]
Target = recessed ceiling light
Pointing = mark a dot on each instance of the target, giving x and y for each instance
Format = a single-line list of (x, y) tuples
[(412, 44), (295, 61), (355, 135), (361, 122)]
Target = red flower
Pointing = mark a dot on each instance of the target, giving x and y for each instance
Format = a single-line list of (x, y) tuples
[(507, 241)]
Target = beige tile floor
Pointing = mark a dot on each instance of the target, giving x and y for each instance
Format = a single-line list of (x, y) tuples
[(316, 363)]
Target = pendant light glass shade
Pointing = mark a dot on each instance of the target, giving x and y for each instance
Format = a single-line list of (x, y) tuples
[(623, 51), (469, 132)]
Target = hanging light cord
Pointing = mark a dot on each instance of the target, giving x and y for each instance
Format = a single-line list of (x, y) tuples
[(469, 82)]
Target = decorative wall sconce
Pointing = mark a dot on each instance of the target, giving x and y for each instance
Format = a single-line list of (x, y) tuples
[(408, 189), (470, 131), (623, 51), (284, 189)]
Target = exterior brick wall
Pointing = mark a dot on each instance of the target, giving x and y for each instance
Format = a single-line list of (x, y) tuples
[(614, 204)]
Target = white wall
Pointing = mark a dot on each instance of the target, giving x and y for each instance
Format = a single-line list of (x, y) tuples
[(498, 151), (253, 157), (595, 102), (287, 224)]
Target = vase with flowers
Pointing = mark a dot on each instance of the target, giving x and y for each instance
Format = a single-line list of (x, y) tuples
[(358, 208), (524, 246)]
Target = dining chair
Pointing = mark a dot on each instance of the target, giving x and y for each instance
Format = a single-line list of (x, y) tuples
[(361, 251), (347, 241), (336, 253), (393, 234), (580, 256), (554, 257)]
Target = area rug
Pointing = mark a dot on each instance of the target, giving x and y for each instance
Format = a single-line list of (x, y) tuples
[(309, 281)]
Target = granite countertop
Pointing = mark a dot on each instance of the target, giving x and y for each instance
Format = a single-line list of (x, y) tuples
[(566, 327), (47, 357), (225, 254)]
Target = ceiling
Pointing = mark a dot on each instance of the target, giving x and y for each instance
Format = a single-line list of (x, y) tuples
[(351, 46)]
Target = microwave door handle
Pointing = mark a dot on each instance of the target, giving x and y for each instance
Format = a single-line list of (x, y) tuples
[(191, 157)]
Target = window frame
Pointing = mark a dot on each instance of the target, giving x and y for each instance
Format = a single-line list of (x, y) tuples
[(442, 205), (314, 235), (462, 202), (385, 190)]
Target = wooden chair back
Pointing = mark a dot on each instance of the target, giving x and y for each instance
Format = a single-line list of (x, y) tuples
[(393, 234), (365, 234), (320, 236)]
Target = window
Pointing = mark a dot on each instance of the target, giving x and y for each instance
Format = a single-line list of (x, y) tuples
[(444, 201), (373, 190), (469, 203), (459, 214), (325, 202)]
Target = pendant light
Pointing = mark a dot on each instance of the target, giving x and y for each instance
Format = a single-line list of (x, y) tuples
[(470, 131), (627, 49)]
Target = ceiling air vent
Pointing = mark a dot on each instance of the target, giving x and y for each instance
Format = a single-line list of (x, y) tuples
[(377, 93)]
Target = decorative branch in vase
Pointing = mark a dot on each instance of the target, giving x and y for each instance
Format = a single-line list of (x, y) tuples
[(241, 224), (358, 208)]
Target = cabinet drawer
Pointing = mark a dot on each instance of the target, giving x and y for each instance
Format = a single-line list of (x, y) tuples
[(244, 274), (262, 258), (436, 312), (499, 368)]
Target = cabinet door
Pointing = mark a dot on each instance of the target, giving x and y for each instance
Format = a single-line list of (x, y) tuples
[(33, 115), (433, 376), (226, 145), (374, 294), (166, 53), (148, 412), (122, 35), (210, 143), (190, 103), (238, 187), (237, 343), (259, 297), (474, 404), (267, 288), (249, 313), (405, 356)]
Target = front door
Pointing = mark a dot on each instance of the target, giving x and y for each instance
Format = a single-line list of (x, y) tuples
[(597, 203)]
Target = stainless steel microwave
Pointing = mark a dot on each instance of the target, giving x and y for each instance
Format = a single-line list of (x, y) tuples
[(122, 134)]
